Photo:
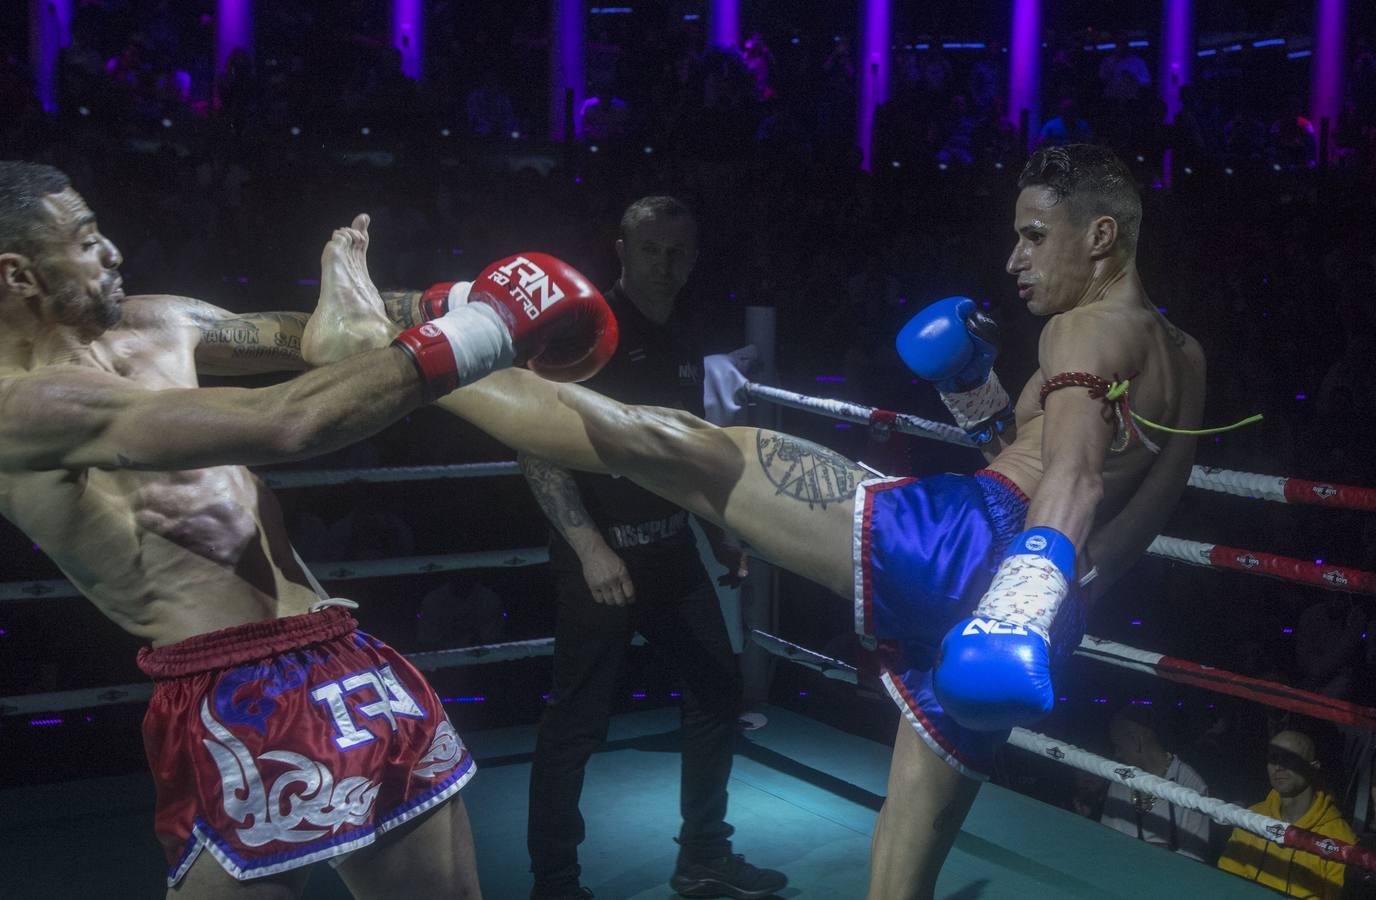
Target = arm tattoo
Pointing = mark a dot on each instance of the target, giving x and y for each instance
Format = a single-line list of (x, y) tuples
[(806, 471), (245, 338), (402, 307), (556, 492)]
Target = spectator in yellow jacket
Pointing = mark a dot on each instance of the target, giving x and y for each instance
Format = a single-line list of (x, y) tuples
[(1293, 769)]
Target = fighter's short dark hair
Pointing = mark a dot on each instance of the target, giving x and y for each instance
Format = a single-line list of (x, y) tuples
[(1092, 181), (23, 185), (654, 207)]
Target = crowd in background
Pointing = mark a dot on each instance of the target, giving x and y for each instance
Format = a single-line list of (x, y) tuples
[(228, 193)]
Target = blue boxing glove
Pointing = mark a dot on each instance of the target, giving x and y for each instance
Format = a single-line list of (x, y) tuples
[(953, 345), (994, 669)]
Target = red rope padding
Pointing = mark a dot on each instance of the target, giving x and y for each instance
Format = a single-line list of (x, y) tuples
[(1335, 578), (1267, 693), (1319, 493), (1329, 848), (884, 418)]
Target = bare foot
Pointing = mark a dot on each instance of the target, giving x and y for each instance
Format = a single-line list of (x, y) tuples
[(348, 317)]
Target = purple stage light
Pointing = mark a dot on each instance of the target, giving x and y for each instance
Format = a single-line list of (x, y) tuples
[(50, 30), (874, 71), (233, 30), (408, 28), (724, 20), (1330, 21), (1177, 48), (566, 63), (1025, 63)]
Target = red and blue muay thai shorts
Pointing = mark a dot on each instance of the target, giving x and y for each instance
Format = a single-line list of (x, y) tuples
[(925, 551), (282, 743)]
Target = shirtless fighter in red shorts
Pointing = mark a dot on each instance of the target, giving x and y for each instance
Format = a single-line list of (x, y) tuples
[(278, 734)]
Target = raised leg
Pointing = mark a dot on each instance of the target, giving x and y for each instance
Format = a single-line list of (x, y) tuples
[(428, 857), (792, 500), (927, 802)]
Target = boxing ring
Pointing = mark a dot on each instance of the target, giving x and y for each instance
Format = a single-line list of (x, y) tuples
[(804, 795)]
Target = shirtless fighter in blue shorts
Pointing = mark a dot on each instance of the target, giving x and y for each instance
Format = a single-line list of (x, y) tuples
[(969, 581)]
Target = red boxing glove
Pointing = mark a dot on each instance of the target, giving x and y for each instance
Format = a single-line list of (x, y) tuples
[(532, 307), (561, 326)]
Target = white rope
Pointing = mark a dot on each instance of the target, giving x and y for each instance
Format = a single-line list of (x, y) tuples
[(480, 656), (1143, 782), (864, 415), (332, 571), (1227, 813), (57, 701), (428, 661), (298, 478), (1239, 484), (1181, 550), (831, 668)]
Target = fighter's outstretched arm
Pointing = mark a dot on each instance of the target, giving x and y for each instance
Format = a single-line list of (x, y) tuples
[(74, 417), (244, 343)]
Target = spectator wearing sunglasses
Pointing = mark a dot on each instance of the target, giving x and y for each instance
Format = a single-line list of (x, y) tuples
[(1293, 769)]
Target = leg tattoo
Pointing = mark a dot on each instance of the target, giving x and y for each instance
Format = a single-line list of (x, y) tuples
[(806, 471)]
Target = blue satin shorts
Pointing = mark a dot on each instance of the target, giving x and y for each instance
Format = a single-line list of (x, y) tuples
[(925, 551)]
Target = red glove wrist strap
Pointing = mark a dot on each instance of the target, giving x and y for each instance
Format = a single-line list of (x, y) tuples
[(433, 357)]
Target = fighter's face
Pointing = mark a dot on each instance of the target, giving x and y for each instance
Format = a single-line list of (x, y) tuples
[(1052, 258), (657, 256), (78, 268)]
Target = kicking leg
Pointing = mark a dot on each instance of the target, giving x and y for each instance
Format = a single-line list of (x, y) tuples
[(927, 802), (427, 857), (790, 499)]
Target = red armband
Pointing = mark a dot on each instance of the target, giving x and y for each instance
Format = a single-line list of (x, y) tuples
[(1099, 389)]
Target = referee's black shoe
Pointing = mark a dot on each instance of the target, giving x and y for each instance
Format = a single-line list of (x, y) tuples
[(725, 876)]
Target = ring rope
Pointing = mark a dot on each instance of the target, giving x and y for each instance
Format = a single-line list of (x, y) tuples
[(1276, 488), (1275, 830), (331, 571), (281, 479), (1221, 681), (1259, 562), (426, 661), (1168, 668), (1196, 553)]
